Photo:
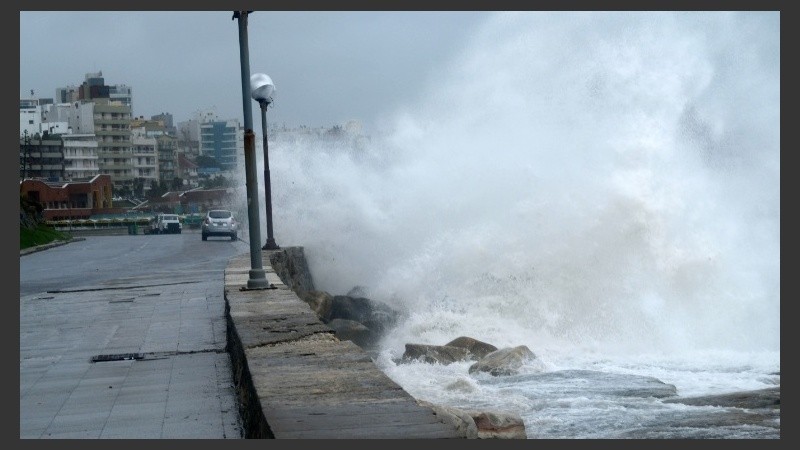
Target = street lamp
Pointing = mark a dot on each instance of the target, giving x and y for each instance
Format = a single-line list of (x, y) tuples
[(261, 89), (258, 277)]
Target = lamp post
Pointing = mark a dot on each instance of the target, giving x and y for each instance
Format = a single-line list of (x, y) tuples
[(257, 276), (25, 154), (262, 88)]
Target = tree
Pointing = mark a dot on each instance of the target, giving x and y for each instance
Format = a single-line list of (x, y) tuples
[(177, 183), (215, 182), (156, 189), (207, 161), (122, 190), (138, 187)]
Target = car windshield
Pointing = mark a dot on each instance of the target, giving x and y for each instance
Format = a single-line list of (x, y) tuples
[(219, 214), (170, 217)]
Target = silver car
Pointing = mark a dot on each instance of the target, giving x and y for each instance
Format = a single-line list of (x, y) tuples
[(220, 222)]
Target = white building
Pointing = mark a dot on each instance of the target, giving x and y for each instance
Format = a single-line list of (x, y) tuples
[(30, 120), (121, 93), (145, 157), (80, 156)]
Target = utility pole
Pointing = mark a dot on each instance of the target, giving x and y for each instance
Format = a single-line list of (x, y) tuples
[(257, 278)]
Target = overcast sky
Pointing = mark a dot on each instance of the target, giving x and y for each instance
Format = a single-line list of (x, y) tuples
[(328, 67)]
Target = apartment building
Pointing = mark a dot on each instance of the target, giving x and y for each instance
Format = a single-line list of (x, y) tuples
[(41, 158), (114, 147), (167, 157), (144, 157), (223, 140), (80, 156)]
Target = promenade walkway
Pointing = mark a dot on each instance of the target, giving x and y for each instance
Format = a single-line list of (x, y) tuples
[(155, 357), (144, 359), (299, 381)]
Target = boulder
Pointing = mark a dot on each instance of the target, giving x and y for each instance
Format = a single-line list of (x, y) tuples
[(477, 424), (320, 302), (376, 316), (350, 330), (506, 361), (460, 419), (761, 398), (475, 347), (499, 425), (434, 354)]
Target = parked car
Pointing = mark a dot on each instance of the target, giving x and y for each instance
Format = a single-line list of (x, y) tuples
[(220, 222), (168, 224)]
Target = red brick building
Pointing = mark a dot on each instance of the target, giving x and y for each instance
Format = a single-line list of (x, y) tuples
[(73, 199)]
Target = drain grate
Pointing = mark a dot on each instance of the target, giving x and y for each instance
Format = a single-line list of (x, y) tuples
[(117, 357)]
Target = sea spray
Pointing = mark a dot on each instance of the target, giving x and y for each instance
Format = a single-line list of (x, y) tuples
[(603, 188)]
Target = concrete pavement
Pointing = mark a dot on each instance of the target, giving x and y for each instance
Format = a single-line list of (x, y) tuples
[(297, 380), (144, 359)]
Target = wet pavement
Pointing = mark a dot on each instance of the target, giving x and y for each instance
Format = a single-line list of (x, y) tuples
[(141, 357)]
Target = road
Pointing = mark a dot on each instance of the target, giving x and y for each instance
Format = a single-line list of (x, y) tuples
[(114, 259), (125, 337)]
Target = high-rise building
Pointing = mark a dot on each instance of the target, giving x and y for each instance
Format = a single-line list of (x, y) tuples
[(167, 157), (112, 129), (68, 94), (94, 87), (223, 140), (41, 158), (121, 93), (80, 156), (166, 119), (144, 157)]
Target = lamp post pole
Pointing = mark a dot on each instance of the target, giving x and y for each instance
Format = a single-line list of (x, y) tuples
[(270, 244), (25, 155), (257, 276)]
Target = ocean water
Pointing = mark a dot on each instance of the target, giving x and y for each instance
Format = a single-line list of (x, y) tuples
[(603, 188)]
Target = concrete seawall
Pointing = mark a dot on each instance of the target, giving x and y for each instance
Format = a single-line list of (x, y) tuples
[(295, 379)]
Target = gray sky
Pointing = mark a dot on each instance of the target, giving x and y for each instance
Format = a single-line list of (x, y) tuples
[(328, 67)]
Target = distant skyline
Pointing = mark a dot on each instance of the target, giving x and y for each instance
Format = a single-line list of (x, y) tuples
[(328, 67)]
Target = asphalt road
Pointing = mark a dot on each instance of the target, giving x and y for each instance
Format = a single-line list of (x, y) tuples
[(102, 260)]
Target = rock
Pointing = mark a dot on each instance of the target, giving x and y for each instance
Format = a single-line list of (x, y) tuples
[(762, 398), (460, 419), (357, 291), (590, 383), (350, 330), (378, 317), (475, 347), (461, 385), (505, 361), (459, 349), (434, 354), (475, 424), (496, 425), (320, 302), (291, 267)]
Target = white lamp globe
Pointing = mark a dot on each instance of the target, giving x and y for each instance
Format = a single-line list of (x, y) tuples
[(261, 87)]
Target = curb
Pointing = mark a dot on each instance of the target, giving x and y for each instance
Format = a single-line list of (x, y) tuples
[(39, 248)]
